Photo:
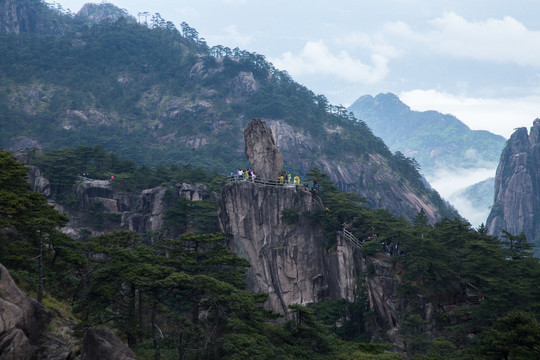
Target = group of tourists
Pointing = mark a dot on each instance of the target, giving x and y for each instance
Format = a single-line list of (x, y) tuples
[(287, 179), (248, 174), (244, 174)]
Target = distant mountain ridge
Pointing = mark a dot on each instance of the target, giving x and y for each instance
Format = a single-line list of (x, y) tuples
[(435, 140)]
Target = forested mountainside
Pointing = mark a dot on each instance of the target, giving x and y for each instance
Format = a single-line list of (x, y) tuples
[(433, 139), (157, 95)]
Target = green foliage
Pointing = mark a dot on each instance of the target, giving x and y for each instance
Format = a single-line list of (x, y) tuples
[(346, 319), (514, 336), (289, 217), (192, 216), (62, 166), (28, 222), (413, 329), (191, 287), (136, 287)]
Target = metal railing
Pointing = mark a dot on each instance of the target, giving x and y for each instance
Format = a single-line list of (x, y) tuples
[(263, 182), (352, 239), (86, 178)]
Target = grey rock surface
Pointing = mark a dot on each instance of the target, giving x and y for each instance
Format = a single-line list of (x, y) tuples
[(288, 261), (368, 175), (261, 150), (22, 320), (103, 344), (517, 187)]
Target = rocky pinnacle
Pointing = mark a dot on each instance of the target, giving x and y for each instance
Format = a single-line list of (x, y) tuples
[(261, 150)]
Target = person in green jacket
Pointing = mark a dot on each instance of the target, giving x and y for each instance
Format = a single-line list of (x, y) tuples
[(296, 180)]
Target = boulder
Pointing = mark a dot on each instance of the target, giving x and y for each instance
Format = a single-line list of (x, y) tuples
[(22, 320), (193, 192), (15, 345), (103, 344), (38, 182)]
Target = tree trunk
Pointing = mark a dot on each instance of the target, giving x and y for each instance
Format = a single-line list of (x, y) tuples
[(132, 326), (40, 286), (140, 310), (157, 353)]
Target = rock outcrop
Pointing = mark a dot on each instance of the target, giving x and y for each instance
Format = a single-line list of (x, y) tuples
[(150, 208), (30, 17), (287, 258), (23, 326), (22, 321), (517, 187), (24, 334), (91, 14), (97, 199), (39, 183), (90, 191), (290, 261), (261, 150), (103, 344)]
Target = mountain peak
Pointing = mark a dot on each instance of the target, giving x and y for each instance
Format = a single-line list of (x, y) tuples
[(388, 101), (92, 13)]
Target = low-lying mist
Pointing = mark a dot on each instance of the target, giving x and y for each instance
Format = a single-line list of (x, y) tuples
[(469, 190)]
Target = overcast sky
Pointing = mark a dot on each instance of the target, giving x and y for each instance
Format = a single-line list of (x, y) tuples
[(478, 60)]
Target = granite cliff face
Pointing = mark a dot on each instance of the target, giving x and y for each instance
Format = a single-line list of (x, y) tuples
[(289, 260), (368, 175), (33, 17), (517, 187)]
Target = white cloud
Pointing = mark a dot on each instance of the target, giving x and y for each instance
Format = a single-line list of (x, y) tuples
[(376, 43), (186, 12), (316, 58), (232, 33), (503, 40), (497, 115), (231, 37)]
